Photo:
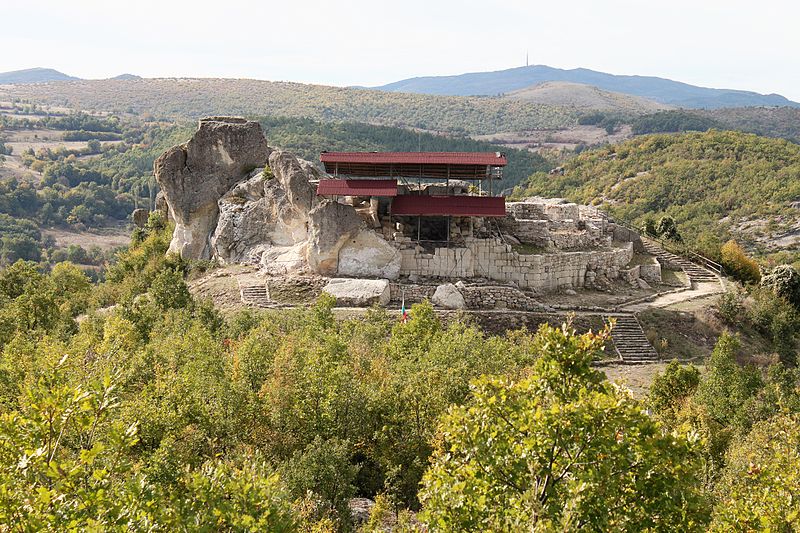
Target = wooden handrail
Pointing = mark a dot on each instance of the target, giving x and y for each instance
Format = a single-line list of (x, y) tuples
[(684, 250)]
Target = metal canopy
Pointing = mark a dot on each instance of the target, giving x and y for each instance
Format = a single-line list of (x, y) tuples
[(357, 188), (463, 206), (436, 165)]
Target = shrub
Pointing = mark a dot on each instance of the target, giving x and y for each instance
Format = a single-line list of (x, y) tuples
[(738, 264), (784, 281), (670, 390), (552, 451), (729, 306)]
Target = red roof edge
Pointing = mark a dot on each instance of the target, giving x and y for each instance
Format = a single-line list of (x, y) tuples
[(495, 159), (464, 206), (329, 187)]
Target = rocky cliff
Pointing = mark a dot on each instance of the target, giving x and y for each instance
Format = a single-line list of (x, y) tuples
[(227, 207)]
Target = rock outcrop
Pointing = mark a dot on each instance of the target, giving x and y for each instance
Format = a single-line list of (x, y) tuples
[(448, 296), (195, 175), (359, 292)]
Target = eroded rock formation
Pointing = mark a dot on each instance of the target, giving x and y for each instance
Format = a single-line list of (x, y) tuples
[(225, 210), (195, 175)]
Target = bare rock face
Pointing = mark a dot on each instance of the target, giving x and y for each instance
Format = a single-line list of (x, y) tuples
[(331, 225), (195, 175), (368, 255), (244, 224), (294, 176)]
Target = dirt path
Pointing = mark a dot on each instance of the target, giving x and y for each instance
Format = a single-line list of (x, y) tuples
[(667, 301)]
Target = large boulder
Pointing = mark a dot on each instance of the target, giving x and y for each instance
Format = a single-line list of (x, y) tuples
[(331, 224), (448, 296), (195, 175), (359, 292), (368, 255)]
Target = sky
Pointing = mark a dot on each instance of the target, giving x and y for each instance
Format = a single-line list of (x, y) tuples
[(731, 44)]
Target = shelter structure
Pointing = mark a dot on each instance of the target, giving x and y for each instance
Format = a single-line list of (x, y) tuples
[(430, 187)]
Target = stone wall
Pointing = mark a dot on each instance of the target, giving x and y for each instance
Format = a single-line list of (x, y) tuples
[(493, 259), (499, 297), (498, 322)]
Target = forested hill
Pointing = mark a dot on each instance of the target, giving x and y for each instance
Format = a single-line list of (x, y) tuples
[(711, 183), (658, 89), (179, 98)]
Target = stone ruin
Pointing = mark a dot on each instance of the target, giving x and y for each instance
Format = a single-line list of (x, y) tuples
[(235, 200)]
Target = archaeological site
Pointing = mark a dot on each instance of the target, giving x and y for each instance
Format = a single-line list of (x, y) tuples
[(392, 229)]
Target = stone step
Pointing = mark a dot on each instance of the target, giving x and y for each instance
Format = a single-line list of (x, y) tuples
[(255, 295), (630, 342)]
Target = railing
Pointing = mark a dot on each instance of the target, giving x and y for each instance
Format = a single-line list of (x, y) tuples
[(677, 249)]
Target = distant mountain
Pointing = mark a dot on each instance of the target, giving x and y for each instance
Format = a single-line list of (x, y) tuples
[(34, 75), (580, 96), (126, 77), (659, 89)]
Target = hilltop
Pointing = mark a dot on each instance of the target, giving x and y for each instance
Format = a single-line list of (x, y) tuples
[(715, 184), (582, 96), (659, 89), (34, 75)]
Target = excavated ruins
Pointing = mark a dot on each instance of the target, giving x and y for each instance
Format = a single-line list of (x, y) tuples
[(237, 201)]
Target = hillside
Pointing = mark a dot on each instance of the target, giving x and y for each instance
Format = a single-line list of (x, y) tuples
[(715, 184), (178, 98), (77, 178), (34, 75), (659, 89), (581, 96)]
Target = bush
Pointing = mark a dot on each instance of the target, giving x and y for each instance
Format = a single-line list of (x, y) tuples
[(552, 451), (784, 281), (738, 264), (670, 390), (730, 306)]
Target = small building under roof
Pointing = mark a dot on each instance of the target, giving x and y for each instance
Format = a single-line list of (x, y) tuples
[(417, 184)]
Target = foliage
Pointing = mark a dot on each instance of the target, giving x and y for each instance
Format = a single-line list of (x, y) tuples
[(730, 306), (784, 281), (778, 319), (672, 121), (670, 391), (737, 263), (726, 385), (761, 486), (562, 449)]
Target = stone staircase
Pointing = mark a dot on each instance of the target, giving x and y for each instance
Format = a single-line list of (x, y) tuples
[(696, 273), (255, 295), (630, 341)]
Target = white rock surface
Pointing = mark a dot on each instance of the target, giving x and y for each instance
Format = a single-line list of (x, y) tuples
[(448, 296), (368, 255), (359, 292)]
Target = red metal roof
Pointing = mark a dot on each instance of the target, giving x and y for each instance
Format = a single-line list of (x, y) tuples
[(434, 165), (462, 206), (357, 188), (495, 159)]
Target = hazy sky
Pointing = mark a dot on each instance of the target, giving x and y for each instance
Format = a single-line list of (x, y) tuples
[(732, 44)]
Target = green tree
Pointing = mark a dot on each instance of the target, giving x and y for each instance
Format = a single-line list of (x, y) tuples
[(560, 450), (670, 391), (725, 385), (760, 489), (169, 290)]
